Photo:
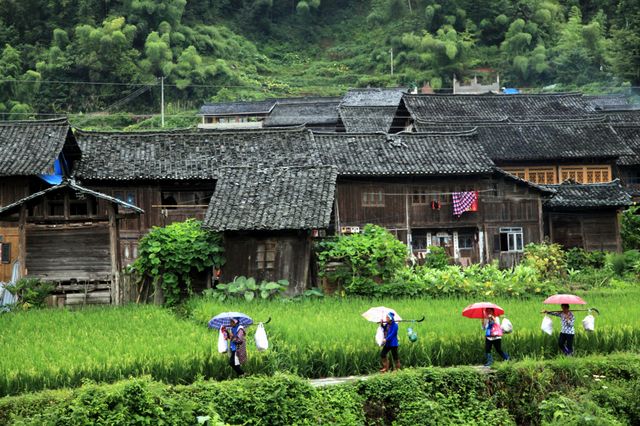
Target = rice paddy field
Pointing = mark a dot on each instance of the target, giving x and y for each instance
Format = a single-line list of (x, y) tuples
[(311, 338)]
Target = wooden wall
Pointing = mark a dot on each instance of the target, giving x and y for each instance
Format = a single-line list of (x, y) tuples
[(291, 257), (502, 203), (591, 230)]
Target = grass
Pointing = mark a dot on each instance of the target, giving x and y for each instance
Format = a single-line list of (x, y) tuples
[(312, 338)]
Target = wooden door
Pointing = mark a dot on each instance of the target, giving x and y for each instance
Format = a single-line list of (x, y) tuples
[(9, 237)]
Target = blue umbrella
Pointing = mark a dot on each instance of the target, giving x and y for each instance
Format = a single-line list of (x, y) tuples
[(224, 319)]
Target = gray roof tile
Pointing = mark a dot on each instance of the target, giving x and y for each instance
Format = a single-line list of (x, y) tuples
[(29, 148), (284, 198), (595, 195), (237, 108), (312, 112)]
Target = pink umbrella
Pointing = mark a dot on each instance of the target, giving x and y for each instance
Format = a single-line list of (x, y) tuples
[(477, 310), (560, 299)]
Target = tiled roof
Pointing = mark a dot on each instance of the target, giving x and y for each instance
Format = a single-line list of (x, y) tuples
[(545, 140), (629, 114), (505, 174), (237, 108), (631, 135), (312, 112), (367, 119), (373, 97), (595, 195), (403, 154), (285, 198), (600, 101), (188, 155), (29, 148), (436, 108), (71, 184)]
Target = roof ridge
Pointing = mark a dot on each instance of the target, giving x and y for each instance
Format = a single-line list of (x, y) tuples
[(459, 95), (57, 120)]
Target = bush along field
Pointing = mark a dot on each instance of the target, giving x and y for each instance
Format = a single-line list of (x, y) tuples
[(574, 391), (310, 337)]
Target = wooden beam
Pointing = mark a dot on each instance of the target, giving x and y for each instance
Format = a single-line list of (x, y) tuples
[(22, 240), (114, 251)]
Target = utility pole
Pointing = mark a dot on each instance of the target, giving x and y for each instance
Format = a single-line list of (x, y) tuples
[(391, 51), (162, 101)]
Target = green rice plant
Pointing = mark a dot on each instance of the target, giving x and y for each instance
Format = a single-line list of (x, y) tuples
[(310, 337)]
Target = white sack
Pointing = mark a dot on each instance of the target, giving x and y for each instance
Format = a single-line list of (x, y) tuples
[(262, 344), (547, 325), (589, 323), (380, 336), (506, 325), (222, 342)]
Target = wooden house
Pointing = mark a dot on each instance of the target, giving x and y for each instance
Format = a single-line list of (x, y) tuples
[(317, 113), (407, 182), (586, 216), (30, 152), (269, 217), (69, 235), (372, 110), (235, 115), (172, 175)]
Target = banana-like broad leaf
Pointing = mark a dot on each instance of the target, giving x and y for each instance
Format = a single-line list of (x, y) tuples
[(249, 295)]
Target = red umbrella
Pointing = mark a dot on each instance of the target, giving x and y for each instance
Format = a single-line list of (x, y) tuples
[(477, 310), (560, 299)]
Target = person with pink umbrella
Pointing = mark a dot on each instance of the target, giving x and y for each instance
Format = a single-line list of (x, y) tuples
[(489, 313), (568, 331), (565, 341)]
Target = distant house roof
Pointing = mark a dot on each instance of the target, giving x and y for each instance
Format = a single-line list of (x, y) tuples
[(367, 119), (440, 108), (181, 155), (309, 111), (545, 140), (373, 97), (631, 135), (402, 154), (285, 198), (29, 148), (594, 195), (237, 108), (628, 114), (68, 184), (601, 101)]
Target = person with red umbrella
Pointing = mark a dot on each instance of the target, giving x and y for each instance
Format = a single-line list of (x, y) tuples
[(489, 313), (568, 331)]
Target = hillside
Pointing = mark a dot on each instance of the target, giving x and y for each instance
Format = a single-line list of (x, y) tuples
[(94, 56)]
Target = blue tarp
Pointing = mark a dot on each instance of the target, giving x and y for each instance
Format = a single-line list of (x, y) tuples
[(56, 177), (510, 91)]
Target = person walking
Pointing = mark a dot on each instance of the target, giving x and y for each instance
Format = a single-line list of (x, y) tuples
[(237, 346), (390, 343), (565, 341), (493, 336)]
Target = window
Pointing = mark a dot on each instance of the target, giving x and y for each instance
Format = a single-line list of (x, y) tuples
[(266, 255), (465, 241), (586, 174), (131, 198), (56, 205), (418, 196), (373, 198), (521, 173), (5, 252), (511, 239), (542, 175)]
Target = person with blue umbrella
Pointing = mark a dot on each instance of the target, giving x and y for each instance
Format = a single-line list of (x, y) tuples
[(232, 324)]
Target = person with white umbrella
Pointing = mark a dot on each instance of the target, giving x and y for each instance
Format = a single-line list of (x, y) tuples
[(390, 342)]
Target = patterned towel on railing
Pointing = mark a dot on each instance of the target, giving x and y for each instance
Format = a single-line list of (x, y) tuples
[(462, 201)]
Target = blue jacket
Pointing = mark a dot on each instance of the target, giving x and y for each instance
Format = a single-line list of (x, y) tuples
[(391, 334)]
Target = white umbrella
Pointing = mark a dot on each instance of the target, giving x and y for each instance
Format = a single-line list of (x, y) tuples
[(379, 313)]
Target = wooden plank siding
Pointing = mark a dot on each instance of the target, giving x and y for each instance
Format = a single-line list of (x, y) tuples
[(502, 203), (597, 230)]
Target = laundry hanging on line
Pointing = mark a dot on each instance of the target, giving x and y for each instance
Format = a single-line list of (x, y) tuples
[(464, 201)]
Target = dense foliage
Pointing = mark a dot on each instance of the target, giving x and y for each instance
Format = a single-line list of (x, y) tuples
[(51, 50), (630, 228), (248, 289), (575, 391), (31, 292), (310, 337), (169, 256)]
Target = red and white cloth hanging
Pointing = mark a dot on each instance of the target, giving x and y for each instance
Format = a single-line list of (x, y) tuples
[(463, 201)]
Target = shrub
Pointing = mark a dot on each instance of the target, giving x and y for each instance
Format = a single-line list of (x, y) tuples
[(578, 258), (630, 228), (248, 289), (437, 258), (548, 259), (168, 256), (31, 292), (366, 259)]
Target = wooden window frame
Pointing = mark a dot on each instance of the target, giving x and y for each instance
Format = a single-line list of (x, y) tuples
[(581, 174), (373, 198), (266, 252), (418, 197)]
